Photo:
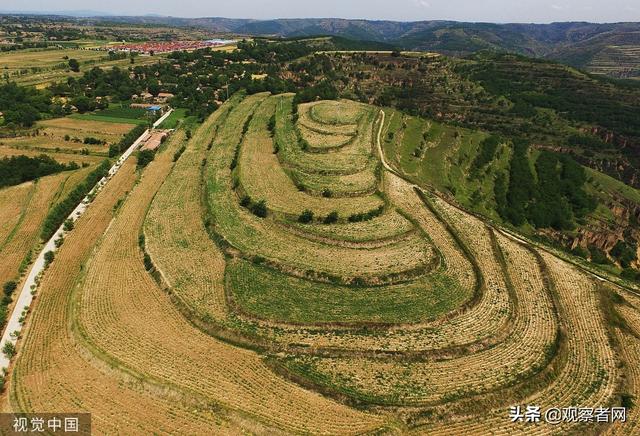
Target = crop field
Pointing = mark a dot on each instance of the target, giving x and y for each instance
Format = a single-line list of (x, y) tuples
[(66, 137), (269, 273), (41, 67), (13, 62), (28, 204)]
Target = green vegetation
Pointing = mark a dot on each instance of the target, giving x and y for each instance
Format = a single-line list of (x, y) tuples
[(172, 121), (269, 294), (555, 197), (19, 169), (126, 141), (23, 106), (61, 210), (144, 158)]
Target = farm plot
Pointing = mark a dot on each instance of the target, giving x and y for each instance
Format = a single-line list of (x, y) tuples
[(174, 230), (424, 316), (61, 375), (262, 177), (587, 372), (13, 202), (62, 157), (323, 142), (389, 225), (342, 112), (121, 308), (32, 60), (511, 361), (293, 300), (352, 159), (68, 135), (256, 236), (26, 233)]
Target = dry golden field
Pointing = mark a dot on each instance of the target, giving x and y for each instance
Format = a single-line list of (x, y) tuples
[(224, 295)]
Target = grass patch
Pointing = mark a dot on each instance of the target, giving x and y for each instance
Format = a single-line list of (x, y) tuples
[(269, 294), (172, 120), (107, 119)]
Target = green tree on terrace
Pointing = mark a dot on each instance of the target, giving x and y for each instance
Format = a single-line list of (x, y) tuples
[(306, 217), (74, 65), (332, 218), (259, 209)]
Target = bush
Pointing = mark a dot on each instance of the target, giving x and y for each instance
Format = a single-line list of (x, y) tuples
[(259, 209), (271, 125), (68, 225), (145, 157), (148, 265), (74, 65), (178, 153), (332, 218), (327, 193), (9, 349), (624, 253), (598, 256), (126, 141), (92, 141), (306, 217), (9, 287), (48, 258), (60, 211), (246, 201)]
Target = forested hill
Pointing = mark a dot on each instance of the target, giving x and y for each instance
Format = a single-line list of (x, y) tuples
[(612, 49)]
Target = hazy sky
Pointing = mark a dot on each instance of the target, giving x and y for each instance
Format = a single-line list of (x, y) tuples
[(538, 11)]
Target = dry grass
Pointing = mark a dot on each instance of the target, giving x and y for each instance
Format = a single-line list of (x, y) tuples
[(262, 177), (121, 309)]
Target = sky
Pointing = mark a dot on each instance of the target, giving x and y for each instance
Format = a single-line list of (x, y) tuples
[(498, 11)]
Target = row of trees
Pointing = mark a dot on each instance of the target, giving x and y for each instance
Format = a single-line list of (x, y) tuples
[(19, 169), (554, 197), (58, 213)]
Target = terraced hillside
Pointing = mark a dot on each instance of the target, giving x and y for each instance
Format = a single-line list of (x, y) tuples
[(277, 275)]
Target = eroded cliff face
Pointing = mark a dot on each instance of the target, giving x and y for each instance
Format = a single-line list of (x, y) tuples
[(604, 234)]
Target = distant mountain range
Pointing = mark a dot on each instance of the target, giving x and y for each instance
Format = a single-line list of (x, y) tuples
[(612, 49)]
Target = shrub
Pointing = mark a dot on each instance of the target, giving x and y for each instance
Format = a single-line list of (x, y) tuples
[(68, 225), (148, 264), (145, 157), (48, 258), (9, 349), (327, 193), (306, 217), (126, 141), (331, 218), (9, 287), (246, 201), (178, 153), (271, 125), (60, 211), (259, 209)]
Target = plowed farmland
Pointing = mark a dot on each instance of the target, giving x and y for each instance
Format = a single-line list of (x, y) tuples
[(272, 272)]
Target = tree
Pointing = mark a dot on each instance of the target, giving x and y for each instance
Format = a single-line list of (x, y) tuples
[(74, 65), (306, 217), (68, 225), (332, 218), (145, 157), (48, 258), (259, 209), (83, 104), (9, 349), (9, 287)]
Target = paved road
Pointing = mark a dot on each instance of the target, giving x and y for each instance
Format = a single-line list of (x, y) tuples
[(25, 297)]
